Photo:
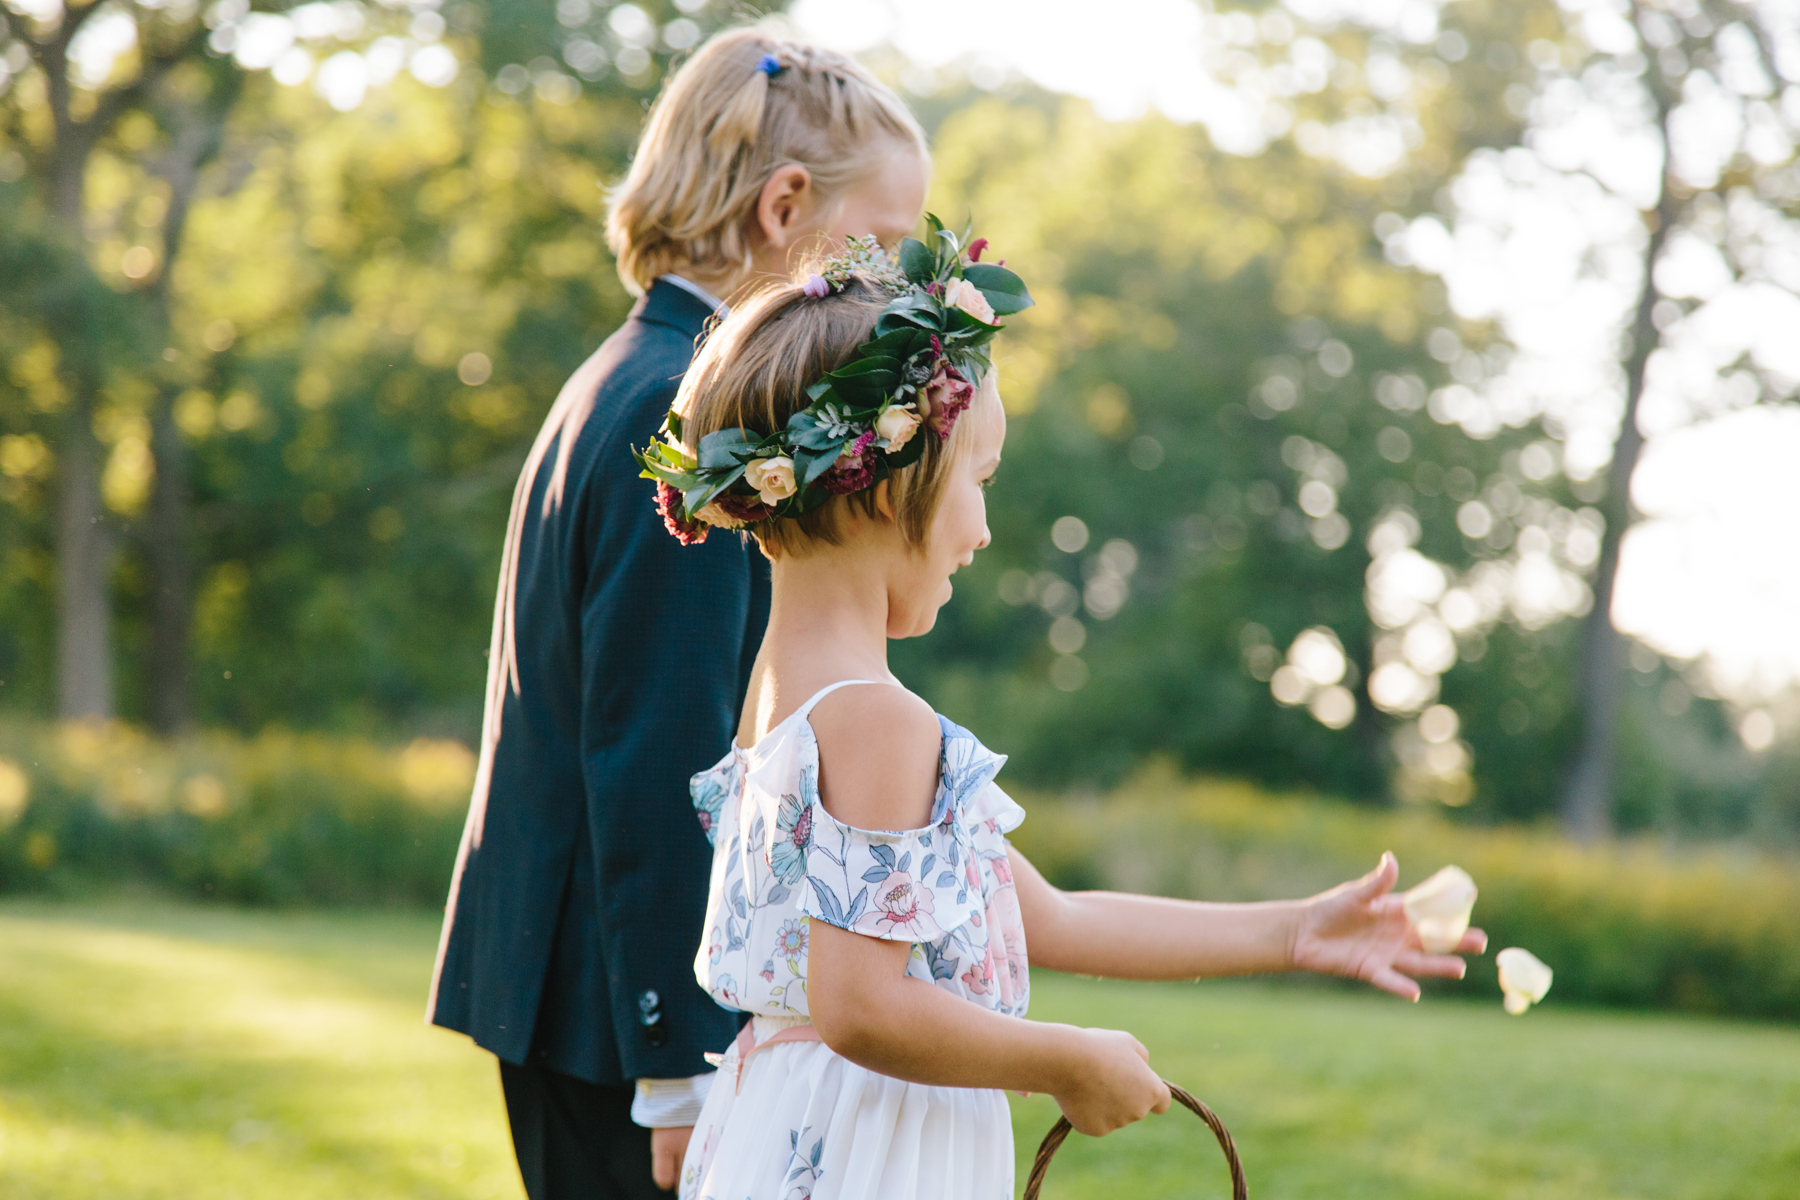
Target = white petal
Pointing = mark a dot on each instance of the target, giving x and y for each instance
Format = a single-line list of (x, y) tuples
[(1439, 909)]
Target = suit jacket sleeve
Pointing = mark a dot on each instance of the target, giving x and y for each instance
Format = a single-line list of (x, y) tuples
[(664, 629)]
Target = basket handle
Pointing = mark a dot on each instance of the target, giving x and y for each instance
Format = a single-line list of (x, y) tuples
[(1061, 1130)]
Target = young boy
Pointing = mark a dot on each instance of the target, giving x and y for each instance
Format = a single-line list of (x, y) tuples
[(580, 887)]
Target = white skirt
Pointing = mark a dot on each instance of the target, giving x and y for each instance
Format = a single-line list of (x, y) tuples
[(805, 1124)]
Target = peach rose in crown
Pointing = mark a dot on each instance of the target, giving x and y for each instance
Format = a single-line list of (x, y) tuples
[(960, 293), (897, 425), (773, 478)]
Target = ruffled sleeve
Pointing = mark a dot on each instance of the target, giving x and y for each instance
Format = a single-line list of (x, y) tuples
[(908, 885), (966, 782), (709, 790)]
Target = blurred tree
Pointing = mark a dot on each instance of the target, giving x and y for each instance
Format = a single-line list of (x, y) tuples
[(133, 130), (1666, 130), (74, 102)]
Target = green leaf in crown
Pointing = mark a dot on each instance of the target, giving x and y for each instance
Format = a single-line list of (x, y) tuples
[(911, 380)]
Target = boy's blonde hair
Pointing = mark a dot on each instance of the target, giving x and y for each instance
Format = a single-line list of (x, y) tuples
[(721, 129), (753, 372)]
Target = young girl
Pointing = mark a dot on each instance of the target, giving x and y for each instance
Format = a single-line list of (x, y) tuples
[(865, 906)]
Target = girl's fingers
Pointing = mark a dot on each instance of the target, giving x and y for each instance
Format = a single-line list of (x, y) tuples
[(1433, 966), (1390, 980), (1473, 942), (1382, 879), (1162, 1105)]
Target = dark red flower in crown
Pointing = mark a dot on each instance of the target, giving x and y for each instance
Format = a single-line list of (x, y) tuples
[(852, 472), (946, 394), (687, 531), (745, 510), (975, 249)]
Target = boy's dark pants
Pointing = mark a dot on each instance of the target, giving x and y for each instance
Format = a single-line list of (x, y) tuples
[(575, 1140)]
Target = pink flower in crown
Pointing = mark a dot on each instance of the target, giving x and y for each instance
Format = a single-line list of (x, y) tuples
[(687, 531), (945, 396), (979, 978), (852, 472), (901, 900)]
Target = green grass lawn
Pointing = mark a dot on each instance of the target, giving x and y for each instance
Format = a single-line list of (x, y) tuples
[(221, 1055)]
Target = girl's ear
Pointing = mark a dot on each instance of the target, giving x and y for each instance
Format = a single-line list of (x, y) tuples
[(783, 207), (884, 500)]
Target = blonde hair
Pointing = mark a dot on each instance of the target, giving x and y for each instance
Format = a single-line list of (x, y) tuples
[(722, 128), (753, 372)]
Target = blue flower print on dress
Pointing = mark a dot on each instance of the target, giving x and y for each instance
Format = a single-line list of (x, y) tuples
[(794, 831)]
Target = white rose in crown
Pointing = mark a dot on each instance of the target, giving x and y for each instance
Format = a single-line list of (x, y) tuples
[(772, 477), (960, 293), (897, 425), (1523, 977), (1439, 909)]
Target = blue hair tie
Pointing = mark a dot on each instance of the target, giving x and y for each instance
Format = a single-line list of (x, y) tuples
[(769, 65)]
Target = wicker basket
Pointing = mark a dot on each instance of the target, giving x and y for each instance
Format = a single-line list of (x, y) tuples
[(1061, 1130)]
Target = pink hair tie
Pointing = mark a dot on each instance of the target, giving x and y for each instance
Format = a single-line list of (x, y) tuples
[(816, 287)]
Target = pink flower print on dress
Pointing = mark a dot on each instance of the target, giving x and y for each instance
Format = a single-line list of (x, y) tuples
[(902, 901), (979, 979), (790, 943), (1002, 866)]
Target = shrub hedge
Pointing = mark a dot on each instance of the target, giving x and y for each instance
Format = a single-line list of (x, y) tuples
[(310, 819), (276, 819), (1712, 929)]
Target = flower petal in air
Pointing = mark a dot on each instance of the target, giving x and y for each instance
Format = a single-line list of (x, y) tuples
[(1523, 977)]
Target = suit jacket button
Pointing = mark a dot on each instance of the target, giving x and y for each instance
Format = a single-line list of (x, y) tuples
[(650, 1017)]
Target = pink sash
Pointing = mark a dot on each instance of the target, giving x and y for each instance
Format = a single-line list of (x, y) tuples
[(746, 1045)]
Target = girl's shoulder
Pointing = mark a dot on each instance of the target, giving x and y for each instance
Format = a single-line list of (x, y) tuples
[(879, 751)]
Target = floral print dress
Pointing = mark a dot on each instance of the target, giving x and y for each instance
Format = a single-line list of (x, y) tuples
[(787, 1118)]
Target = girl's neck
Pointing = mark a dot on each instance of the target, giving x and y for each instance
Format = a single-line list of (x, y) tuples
[(827, 622)]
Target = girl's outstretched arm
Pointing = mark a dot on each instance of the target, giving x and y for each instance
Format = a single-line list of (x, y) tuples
[(1357, 930)]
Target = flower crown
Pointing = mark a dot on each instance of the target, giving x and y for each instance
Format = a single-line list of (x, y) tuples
[(917, 371)]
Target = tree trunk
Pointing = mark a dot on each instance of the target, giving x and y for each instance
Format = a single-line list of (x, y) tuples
[(166, 544), (167, 540), (84, 544), (1600, 671), (84, 552)]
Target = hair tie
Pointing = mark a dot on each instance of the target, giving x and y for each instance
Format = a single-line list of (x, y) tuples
[(769, 65)]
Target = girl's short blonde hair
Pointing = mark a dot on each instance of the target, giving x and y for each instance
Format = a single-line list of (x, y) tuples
[(753, 372), (722, 128)]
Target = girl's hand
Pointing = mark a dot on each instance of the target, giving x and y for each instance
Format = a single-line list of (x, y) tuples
[(1112, 1083), (1359, 930)]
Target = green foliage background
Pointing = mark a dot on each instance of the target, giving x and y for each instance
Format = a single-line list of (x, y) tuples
[(373, 309)]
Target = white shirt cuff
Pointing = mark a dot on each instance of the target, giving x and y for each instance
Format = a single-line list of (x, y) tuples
[(670, 1103)]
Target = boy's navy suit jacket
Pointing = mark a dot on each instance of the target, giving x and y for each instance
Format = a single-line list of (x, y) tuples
[(618, 666)]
